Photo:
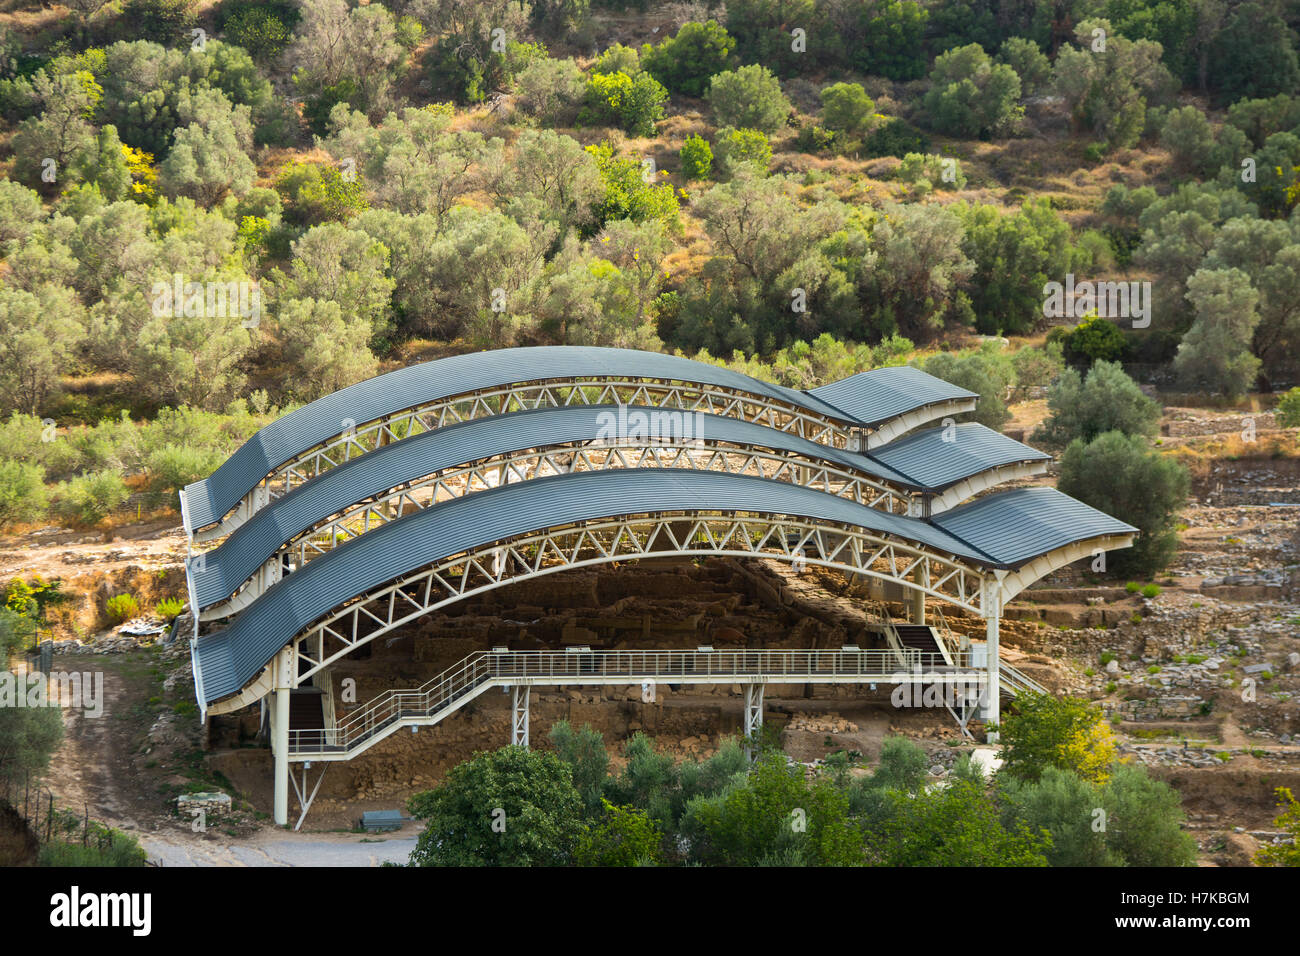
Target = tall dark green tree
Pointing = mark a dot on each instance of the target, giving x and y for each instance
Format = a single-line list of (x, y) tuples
[(1120, 475)]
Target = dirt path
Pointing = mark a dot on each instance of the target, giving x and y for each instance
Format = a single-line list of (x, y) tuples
[(80, 777)]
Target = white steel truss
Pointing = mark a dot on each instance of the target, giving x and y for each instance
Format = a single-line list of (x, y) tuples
[(465, 479), (798, 540), (354, 439)]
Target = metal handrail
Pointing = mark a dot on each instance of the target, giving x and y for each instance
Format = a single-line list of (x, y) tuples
[(1018, 680), (945, 635), (675, 666)]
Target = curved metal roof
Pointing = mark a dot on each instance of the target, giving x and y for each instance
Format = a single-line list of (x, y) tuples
[(939, 457), (229, 658), (880, 394), (224, 569), (862, 400), (1014, 527), (210, 499)]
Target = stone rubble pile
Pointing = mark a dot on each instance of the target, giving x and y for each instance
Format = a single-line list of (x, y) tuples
[(821, 723), (1175, 755)]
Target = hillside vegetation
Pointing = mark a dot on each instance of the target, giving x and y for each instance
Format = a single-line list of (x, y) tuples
[(212, 213)]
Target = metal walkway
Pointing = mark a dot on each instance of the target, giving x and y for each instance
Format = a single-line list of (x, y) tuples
[(448, 692)]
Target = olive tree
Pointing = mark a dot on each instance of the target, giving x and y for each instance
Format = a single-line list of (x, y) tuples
[(209, 157), (39, 331)]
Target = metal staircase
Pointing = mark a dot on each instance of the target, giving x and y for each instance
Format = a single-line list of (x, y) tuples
[(925, 641)]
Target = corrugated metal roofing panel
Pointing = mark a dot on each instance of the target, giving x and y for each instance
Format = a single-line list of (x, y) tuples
[(225, 568), (1016, 526), (883, 393), (229, 658), (938, 458), (210, 499)]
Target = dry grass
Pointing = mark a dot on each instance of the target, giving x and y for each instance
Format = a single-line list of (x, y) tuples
[(1200, 452)]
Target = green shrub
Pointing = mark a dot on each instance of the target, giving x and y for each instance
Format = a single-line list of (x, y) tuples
[(736, 146), (316, 107), (1063, 732), (87, 500), (23, 497), (1288, 409), (696, 157), (931, 172), (1029, 62), (175, 466), (897, 137), (1095, 152), (15, 632), (169, 608), (632, 103), (316, 193), (687, 62), (618, 59), (529, 786), (263, 29), (627, 194), (1150, 590), (972, 96), (1037, 366), (1105, 400), (749, 98), (625, 837), (985, 370), (108, 848), (1094, 339), (466, 66), (1132, 587), (816, 139), (846, 108), (121, 607)]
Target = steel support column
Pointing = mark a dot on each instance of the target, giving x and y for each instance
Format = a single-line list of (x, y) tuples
[(519, 710), (993, 686), (280, 735), (753, 714), (921, 578)]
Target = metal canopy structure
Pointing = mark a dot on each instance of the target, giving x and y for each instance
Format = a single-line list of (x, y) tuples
[(370, 414), (939, 458), (895, 399), (366, 510)]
